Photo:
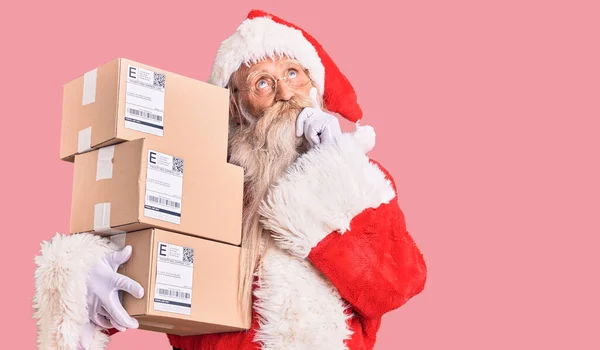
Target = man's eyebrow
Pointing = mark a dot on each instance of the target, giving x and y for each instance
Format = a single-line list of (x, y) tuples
[(292, 61), (252, 73), (254, 70)]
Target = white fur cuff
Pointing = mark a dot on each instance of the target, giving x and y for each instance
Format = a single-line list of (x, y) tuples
[(323, 191), (59, 302)]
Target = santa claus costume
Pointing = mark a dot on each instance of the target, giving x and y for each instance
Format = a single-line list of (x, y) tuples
[(342, 256)]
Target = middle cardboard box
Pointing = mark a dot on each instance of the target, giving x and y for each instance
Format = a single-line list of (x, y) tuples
[(142, 184)]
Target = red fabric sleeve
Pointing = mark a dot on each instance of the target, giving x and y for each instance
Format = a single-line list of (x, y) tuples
[(111, 331), (376, 265)]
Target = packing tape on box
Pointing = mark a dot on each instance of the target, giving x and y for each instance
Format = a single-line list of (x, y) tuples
[(84, 140), (118, 240), (102, 219), (89, 87), (104, 166)]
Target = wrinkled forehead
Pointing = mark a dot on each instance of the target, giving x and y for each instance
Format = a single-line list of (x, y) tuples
[(269, 65)]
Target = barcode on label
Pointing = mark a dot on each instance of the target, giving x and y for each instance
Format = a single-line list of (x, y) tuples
[(145, 114), (164, 201), (173, 293)]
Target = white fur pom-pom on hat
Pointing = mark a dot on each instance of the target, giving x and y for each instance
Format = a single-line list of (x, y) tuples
[(365, 135)]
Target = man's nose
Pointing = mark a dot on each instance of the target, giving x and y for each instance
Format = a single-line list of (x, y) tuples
[(284, 92)]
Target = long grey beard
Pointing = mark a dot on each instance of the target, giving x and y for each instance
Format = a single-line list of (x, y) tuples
[(267, 146)]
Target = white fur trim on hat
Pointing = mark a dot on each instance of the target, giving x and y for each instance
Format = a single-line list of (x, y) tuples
[(260, 38)]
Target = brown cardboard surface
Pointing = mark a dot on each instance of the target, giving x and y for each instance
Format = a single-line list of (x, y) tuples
[(211, 203), (215, 307), (122, 191), (195, 113), (139, 268)]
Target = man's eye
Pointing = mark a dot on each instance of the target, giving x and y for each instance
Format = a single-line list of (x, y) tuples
[(262, 84), (292, 73)]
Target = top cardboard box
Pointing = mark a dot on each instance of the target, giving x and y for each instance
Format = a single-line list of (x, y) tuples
[(124, 100)]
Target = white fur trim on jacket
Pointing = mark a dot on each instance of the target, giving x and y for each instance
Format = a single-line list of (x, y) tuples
[(260, 38), (298, 307), (59, 301), (323, 191)]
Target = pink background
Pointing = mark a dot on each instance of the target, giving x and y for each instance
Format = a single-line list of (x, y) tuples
[(487, 116)]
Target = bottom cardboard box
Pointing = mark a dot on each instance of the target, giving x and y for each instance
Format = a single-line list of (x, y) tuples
[(190, 283)]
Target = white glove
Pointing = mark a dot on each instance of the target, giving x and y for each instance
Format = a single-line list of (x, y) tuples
[(317, 126), (103, 286)]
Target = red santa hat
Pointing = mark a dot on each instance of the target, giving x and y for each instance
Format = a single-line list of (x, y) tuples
[(262, 35)]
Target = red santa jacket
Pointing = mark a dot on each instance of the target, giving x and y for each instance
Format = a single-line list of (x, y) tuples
[(342, 259)]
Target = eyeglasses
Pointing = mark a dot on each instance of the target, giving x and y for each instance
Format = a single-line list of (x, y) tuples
[(263, 85)]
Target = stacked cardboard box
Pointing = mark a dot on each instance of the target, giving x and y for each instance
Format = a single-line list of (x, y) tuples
[(150, 170)]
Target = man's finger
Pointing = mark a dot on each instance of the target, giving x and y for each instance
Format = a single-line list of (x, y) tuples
[(326, 135), (118, 313), (313, 96), (315, 139), (330, 129), (300, 121), (117, 326), (101, 321), (312, 134), (130, 286)]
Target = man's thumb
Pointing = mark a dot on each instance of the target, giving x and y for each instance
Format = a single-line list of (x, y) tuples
[(120, 257)]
